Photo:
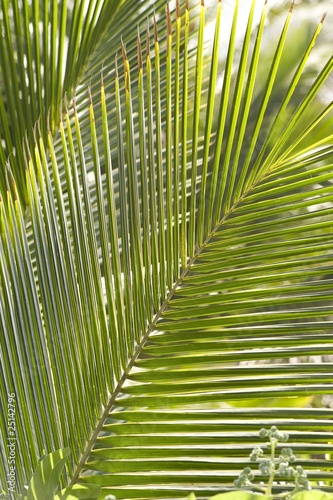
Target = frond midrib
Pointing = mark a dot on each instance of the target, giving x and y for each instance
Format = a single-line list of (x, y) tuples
[(127, 370), (150, 329)]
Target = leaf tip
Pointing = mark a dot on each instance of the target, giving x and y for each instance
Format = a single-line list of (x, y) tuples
[(89, 95), (148, 41), (126, 66), (102, 75), (139, 52), (7, 169), (323, 18), (74, 105), (178, 13), (123, 51), (34, 133), (65, 101), (116, 65), (292, 6), (155, 30), (169, 22), (26, 140), (48, 128)]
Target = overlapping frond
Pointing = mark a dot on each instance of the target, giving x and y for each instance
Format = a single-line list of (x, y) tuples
[(175, 271), (46, 48)]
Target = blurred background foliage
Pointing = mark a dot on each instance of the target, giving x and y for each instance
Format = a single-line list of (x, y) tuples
[(307, 15)]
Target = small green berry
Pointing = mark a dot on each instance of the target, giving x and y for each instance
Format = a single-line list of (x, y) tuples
[(256, 453), (263, 433), (285, 470), (287, 454), (244, 477), (265, 467), (283, 437)]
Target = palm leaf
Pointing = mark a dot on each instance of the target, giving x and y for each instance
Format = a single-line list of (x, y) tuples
[(45, 49), (174, 273)]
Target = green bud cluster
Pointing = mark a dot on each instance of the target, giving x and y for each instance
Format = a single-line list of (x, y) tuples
[(273, 466), (256, 453), (274, 434), (244, 478), (301, 480)]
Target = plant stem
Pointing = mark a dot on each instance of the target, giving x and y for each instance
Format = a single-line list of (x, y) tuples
[(272, 474), (257, 488)]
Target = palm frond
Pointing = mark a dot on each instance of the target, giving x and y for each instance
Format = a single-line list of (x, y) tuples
[(46, 48), (175, 269)]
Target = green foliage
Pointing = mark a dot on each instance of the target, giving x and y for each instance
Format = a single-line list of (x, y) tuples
[(248, 495), (88, 491), (45, 481), (312, 495), (44, 51), (165, 263), (241, 495)]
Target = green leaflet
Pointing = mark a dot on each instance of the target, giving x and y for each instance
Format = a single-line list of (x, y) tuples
[(89, 492), (45, 481), (170, 268), (45, 47), (237, 495), (312, 495), (244, 495)]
